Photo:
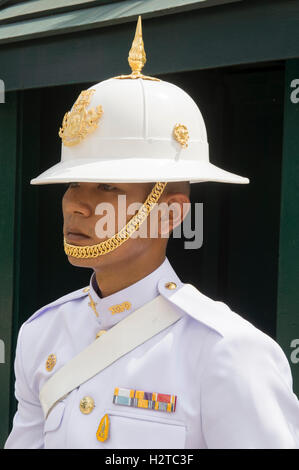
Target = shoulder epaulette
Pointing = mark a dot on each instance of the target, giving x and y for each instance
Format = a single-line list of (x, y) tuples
[(214, 314), (76, 294)]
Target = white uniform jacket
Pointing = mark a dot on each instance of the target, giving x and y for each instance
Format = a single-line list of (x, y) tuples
[(232, 382)]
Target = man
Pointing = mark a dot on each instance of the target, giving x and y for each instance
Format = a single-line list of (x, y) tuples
[(138, 359)]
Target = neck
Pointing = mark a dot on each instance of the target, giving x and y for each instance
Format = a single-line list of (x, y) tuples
[(113, 278)]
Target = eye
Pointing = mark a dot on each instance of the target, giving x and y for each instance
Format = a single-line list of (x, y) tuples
[(72, 185), (106, 187)]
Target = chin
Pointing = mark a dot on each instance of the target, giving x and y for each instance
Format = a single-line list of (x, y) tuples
[(82, 262)]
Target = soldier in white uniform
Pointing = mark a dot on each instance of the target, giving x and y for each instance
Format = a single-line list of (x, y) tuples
[(139, 359)]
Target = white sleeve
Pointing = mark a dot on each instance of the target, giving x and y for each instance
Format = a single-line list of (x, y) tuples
[(247, 400), (28, 423)]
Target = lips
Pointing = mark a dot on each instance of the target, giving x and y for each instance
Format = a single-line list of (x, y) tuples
[(75, 234)]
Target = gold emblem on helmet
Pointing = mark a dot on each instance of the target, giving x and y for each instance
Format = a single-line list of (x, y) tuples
[(181, 134), (78, 122)]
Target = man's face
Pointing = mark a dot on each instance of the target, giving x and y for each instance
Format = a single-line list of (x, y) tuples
[(91, 209)]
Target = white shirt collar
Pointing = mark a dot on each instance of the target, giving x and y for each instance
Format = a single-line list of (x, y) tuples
[(117, 306)]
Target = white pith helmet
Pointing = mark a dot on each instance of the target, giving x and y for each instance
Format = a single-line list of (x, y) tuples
[(134, 129)]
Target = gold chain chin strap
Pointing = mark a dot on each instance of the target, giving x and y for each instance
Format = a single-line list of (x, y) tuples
[(92, 251)]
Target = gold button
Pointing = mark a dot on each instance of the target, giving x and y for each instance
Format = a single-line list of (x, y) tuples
[(86, 405), (86, 289), (170, 285), (51, 361), (100, 333)]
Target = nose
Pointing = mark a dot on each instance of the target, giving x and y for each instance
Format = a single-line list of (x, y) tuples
[(75, 204)]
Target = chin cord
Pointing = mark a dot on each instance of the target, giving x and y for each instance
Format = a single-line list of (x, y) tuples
[(93, 251)]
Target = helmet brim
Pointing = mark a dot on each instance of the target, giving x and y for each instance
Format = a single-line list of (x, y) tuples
[(133, 170)]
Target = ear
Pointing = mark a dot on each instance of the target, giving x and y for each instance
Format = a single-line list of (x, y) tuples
[(175, 210)]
